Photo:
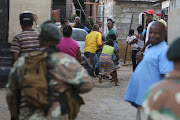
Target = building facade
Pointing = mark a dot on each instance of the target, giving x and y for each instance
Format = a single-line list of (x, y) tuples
[(173, 20), (41, 9), (65, 7), (121, 12), (4, 21)]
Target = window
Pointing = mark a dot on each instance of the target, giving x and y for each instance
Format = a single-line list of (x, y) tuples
[(59, 2)]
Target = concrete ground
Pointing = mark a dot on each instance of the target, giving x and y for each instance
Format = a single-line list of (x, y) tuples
[(104, 102)]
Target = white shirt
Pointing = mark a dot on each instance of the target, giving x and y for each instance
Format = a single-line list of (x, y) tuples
[(140, 42), (129, 39), (115, 30), (147, 32)]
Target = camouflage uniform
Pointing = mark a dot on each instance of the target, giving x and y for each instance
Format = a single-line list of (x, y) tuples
[(162, 101), (66, 72)]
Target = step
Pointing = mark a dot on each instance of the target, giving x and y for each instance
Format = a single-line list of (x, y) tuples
[(5, 52), (7, 45), (4, 74), (5, 61)]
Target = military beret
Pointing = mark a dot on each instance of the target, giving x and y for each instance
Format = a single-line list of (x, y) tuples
[(50, 31), (174, 50)]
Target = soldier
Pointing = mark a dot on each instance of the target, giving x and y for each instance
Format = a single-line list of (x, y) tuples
[(65, 73), (162, 100)]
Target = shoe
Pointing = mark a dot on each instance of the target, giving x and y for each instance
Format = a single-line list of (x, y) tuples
[(118, 66), (100, 79)]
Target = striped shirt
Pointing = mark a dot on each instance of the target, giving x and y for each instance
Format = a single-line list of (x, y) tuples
[(25, 42)]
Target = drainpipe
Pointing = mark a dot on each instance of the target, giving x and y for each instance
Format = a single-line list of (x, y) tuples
[(103, 16)]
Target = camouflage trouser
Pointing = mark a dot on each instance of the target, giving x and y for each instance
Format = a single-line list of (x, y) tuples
[(54, 113), (37, 116)]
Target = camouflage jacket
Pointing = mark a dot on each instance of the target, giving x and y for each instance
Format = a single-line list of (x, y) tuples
[(67, 72), (162, 101)]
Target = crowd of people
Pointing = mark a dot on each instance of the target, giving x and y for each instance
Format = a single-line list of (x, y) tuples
[(58, 68)]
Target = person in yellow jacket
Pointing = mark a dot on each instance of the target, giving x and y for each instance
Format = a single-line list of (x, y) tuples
[(93, 41)]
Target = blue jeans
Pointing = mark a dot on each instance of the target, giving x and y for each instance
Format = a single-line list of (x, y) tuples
[(92, 56), (97, 63)]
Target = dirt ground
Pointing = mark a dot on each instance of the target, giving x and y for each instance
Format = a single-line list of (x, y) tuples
[(104, 102)]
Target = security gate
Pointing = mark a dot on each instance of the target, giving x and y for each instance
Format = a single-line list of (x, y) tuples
[(60, 4), (4, 21)]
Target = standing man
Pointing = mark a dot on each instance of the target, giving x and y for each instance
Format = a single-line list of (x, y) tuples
[(80, 25), (114, 27), (64, 73), (149, 22), (25, 41), (162, 100), (93, 41), (64, 23), (99, 22), (110, 25), (166, 17), (151, 69)]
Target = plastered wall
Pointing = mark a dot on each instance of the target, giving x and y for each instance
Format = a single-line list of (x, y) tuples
[(42, 8), (173, 25)]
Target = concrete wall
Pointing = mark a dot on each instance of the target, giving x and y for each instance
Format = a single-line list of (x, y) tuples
[(173, 24), (177, 3), (41, 8), (165, 4), (174, 4), (68, 8), (117, 11)]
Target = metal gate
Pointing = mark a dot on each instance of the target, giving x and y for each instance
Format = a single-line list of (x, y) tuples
[(4, 15), (60, 4)]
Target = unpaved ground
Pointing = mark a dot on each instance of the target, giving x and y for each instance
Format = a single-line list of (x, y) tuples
[(104, 102)]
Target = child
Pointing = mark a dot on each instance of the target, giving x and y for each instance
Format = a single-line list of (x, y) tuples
[(113, 37), (139, 36), (106, 64), (131, 39)]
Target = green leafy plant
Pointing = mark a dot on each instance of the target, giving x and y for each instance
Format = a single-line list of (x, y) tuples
[(54, 19), (72, 18)]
